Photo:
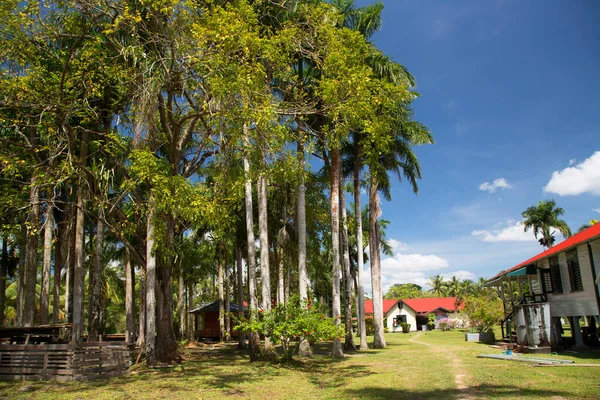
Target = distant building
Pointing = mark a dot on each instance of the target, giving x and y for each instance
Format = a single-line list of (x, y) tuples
[(415, 311)]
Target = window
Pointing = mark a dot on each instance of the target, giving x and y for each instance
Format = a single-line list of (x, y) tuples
[(546, 281), (400, 318), (555, 275), (574, 270)]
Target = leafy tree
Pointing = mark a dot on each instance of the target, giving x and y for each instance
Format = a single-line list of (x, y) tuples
[(542, 218), (404, 291)]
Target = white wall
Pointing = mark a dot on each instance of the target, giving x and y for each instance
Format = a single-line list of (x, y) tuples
[(410, 318), (578, 303)]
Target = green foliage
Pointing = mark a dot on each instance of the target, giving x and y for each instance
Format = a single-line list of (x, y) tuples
[(431, 320), (544, 217), (291, 323), (404, 291), (405, 327), (483, 312)]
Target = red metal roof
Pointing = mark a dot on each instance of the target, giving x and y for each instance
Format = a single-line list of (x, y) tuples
[(578, 238), (387, 305), (427, 305), (419, 305)]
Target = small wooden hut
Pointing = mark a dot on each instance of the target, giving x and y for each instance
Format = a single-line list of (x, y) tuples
[(206, 320)]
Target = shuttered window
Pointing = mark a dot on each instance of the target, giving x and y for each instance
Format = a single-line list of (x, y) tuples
[(546, 281), (555, 277), (574, 270)]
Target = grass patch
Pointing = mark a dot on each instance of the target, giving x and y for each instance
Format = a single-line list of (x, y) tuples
[(424, 368)]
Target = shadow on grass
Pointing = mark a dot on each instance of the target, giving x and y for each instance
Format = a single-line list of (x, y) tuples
[(482, 391)]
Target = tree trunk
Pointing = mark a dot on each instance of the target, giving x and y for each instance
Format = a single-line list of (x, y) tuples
[(3, 269), (58, 266), (265, 274), (360, 312), (150, 333), (349, 341), (335, 247), (32, 257), (129, 298), (97, 319), (252, 293), (22, 266), (281, 242), (79, 273), (189, 327), (220, 294), (141, 339), (240, 290), (166, 343), (227, 296), (181, 302), (70, 265), (46, 265), (374, 214)]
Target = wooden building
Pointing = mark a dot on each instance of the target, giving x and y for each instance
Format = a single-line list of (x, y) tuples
[(559, 283)]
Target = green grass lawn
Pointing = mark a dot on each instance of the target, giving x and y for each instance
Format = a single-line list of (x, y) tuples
[(425, 368)]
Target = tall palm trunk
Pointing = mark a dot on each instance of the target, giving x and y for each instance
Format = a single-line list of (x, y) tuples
[(227, 303), (3, 269), (32, 257), (21, 278), (374, 214), (97, 319), (254, 339), (58, 266), (150, 334), (335, 247), (181, 302), (46, 264), (129, 298), (263, 231), (281, 243), (70, 264), (166, 344), (142, 320), (360, 312), (79, 272), (240, 290), (220, 294), (349, 340)]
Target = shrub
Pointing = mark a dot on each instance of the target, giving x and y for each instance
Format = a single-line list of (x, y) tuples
[(292, 323), (483, 312), (370, 327), (431, 320), (446, 324), (405, 327)]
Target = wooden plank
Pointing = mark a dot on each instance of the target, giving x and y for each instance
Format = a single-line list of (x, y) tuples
[(29, 347), (82, 364), (32, 371)]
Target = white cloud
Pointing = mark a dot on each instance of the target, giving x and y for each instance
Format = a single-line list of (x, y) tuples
[(409, 268), (499, 183), (513, 233), (573, 181), (460, 275), (572, 161), (596, 209), (397, 245)]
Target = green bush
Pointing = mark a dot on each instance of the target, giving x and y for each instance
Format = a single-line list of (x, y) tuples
[(483, 312), (405, 327), (369, 325), (292, 323)]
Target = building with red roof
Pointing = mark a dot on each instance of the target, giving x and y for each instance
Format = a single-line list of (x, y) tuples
[(415, 311), (561, 282)]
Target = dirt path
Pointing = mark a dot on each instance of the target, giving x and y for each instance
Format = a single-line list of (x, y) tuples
[(464, 392)]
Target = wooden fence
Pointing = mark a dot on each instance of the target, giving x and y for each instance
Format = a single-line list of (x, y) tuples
[(64, 362)]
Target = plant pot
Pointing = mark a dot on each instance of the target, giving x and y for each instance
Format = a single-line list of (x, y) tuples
[(480, 337)]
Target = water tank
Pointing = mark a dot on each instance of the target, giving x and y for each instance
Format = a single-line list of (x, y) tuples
[(533, 324)]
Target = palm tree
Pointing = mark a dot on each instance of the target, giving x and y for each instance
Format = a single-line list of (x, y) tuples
[(542, 218), (438, 287), (454, 288)]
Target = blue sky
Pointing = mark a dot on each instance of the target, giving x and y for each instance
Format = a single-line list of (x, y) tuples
[(510, 91)]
